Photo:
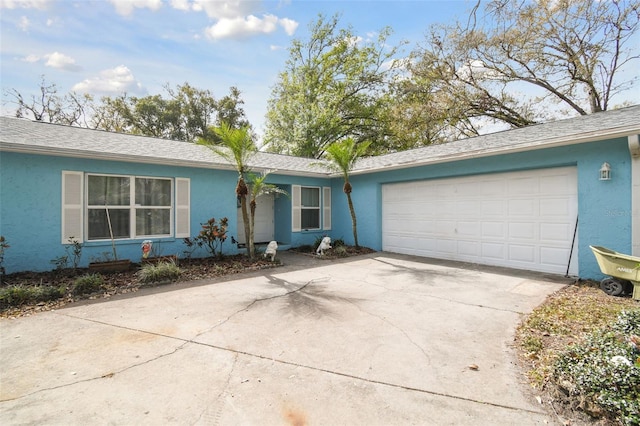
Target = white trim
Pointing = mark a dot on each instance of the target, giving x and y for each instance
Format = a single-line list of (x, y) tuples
[(296, 212), (182, 202), (326, 208), (72, 203), (634, 149)]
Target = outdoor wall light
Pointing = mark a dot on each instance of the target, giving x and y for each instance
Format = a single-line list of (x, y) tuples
[(605, 171)]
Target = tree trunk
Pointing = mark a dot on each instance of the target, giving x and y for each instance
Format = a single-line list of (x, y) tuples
[(353, 219), (245, 220), (252, 221)]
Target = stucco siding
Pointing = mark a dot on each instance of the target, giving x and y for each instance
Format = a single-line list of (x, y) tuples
[(30, 212)]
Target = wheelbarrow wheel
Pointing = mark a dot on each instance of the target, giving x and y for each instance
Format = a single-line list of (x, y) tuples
[(611, 286)]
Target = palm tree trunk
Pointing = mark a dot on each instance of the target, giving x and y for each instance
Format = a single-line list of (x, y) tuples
[(245, 220), (252, 221), (353, 219)]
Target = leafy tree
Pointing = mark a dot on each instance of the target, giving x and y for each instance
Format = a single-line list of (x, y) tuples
[(332, 88), (237, 147), (258, 187), (342, 155), (524, 62), (70, 109), (187, 114)]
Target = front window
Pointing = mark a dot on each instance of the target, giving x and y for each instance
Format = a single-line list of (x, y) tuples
[(310, 208), (128, 207)]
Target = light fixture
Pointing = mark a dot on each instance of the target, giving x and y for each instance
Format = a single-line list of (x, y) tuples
[(605, 171)]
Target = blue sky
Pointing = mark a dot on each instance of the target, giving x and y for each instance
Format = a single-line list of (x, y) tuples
[(105, 47)]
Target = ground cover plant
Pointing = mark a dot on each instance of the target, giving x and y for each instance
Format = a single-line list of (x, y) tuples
[(25, 293), (580, 350)]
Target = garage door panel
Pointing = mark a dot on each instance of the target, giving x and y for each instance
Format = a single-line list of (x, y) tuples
[(522, 186), (522, 253), (493, 230), (522, 231), (556, 232), (517, 219), (523, 207), (467, 229), (494, 251), (470, 249), (492, 208), (555, 206)]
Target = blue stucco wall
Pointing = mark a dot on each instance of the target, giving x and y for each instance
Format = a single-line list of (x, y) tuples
[(30, 208), (283, 210), (604, 206)]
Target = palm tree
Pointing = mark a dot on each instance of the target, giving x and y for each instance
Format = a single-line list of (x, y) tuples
[(240, 148), (342, 155), (258, 187)]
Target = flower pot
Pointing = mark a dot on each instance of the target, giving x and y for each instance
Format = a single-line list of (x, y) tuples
[(110, 266)]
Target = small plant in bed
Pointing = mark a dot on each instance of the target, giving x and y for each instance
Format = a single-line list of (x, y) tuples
[(160, 272)]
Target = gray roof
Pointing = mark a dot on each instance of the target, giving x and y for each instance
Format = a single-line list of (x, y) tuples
[(604, 125), (21, 135)]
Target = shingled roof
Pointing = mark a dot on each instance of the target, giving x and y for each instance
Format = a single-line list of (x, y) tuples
[(21, 135), (587, 128)]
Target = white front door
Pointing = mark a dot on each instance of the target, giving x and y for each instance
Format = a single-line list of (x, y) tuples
[(522, 220), (264, 222)]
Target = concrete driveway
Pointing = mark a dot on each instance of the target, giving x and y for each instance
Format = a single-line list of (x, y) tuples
[(381, 339)]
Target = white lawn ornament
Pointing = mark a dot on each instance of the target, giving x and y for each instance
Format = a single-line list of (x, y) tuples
[(271, 250), (325, 244)]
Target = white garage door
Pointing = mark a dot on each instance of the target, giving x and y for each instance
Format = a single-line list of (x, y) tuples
[(522, 220)]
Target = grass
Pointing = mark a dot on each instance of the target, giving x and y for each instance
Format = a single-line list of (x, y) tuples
[(568, 320)]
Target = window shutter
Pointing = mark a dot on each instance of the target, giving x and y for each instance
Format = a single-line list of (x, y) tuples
[(72, 206), (326, 208), (183, 207), (296, 210)]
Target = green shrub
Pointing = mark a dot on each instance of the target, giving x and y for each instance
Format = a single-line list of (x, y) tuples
[(86, 284), (47, 293), (340, 251), (163, 271), (604, 369), (15, 295)]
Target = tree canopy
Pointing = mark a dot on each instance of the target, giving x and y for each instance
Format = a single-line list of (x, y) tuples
[(332, 87), (185, 113), (522, 62)]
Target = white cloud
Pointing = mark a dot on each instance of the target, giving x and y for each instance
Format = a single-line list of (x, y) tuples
[(116, 80), (246, 27), (180, 4), (31, 58), (220, 9), (24, 4), (290, 26), (126, 7), (54, 60), (61, 61), (24, 24)]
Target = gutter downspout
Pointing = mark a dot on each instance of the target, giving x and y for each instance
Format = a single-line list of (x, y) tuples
[(634, 149)]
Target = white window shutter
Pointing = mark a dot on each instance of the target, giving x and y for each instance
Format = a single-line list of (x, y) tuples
[(326, 208), (183, 207), (72, 206), (296, 208)]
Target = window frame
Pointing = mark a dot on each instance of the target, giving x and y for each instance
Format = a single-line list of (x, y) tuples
[(317, 208), (132, 207)]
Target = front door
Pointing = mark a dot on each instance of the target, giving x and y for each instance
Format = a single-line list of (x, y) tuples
[(264, 221)]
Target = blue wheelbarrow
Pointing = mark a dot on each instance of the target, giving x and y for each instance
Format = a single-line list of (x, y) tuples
[(623, 271)]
